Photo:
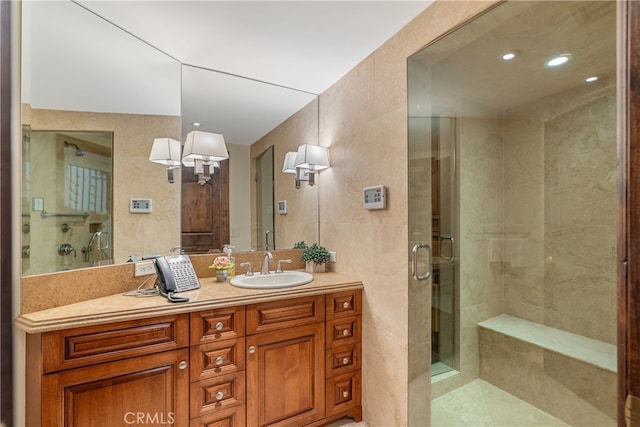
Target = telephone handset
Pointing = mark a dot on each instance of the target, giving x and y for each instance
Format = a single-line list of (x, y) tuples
[(175, 274)]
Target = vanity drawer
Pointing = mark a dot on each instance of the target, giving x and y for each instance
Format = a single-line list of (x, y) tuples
[(231, 417), (343, 331), (343, 393), (217, 325), (218, 358), (77, 347), (274, 315), (344, 304), (343, 359), (217, 393)]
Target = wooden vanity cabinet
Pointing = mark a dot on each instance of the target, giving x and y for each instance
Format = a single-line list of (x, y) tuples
[(217, 388), (115, 374), (288, 362), (343, 354), (285, 362)]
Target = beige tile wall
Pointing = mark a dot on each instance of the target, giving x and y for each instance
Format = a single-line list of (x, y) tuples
[(363, 121), (301, 223)]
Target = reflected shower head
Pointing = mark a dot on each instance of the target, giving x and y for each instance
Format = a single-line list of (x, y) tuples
[(78, 152)]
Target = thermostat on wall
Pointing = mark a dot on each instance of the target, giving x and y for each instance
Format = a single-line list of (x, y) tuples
[(375, 197), (140, 206), (282, 207)]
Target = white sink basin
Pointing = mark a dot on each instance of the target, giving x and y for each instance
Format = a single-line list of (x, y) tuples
[(272, 280)]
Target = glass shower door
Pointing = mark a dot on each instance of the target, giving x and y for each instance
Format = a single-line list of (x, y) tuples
[(433, 226), (443, 238)]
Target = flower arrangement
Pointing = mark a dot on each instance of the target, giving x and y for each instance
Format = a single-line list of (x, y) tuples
[(221, 263)]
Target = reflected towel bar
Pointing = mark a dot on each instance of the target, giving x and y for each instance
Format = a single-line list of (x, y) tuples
[(46, 214)]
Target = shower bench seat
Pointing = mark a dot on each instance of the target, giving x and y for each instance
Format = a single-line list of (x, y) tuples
[(569, 376), (597, 353)]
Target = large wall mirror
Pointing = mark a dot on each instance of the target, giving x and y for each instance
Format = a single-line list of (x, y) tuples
[(69, 52)]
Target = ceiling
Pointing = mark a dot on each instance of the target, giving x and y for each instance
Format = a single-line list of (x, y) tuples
[(239, 68)]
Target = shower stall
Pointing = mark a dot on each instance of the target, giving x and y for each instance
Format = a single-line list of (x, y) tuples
[(512, 209), (66, 200)]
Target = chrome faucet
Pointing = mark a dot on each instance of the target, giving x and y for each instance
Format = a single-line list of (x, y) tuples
[(265, 263)]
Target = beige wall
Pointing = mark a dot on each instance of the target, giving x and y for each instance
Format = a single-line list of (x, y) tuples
[(363, 121), (301, 223), (133, 175), (560, 245)]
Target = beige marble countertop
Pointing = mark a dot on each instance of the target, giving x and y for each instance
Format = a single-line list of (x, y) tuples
[(210, 295)]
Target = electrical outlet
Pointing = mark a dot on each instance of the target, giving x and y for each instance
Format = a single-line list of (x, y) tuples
[(144, 268), (332, 256)]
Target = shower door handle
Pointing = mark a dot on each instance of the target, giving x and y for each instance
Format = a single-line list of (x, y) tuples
[(414, 256), (442, 239)]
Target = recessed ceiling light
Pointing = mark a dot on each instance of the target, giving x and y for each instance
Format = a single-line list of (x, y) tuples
[(592, 79), (559, 60), (196, 124), (509, 56)]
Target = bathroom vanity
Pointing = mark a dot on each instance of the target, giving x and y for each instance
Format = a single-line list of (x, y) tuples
[(229, 357)]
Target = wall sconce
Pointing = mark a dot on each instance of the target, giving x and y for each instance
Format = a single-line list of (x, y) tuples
[(306, 162), (312, 158), (202, 151), (289, 166), (166, 151)]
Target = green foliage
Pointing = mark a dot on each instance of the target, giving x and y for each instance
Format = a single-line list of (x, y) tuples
[(316, 254), (300, 245)]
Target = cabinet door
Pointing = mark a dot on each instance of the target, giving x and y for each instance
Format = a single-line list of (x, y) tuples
[(151, 390), (285, 376)]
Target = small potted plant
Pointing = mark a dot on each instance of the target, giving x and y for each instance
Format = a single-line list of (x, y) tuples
[(316, 257), (222, 265)]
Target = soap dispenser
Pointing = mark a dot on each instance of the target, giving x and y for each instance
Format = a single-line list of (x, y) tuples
[(228, 250)]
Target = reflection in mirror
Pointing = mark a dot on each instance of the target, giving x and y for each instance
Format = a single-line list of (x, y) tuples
[(66, 200), (115, 68), (265, 233)]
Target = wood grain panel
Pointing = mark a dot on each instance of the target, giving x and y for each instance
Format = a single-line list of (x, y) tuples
[(216, 325), (344, 304), (149, 388), (215, 394), (344, 331), (71, 348), (629, 216), (205, 211), (285, 376), (217, 358), (285, 313), (230, 417)]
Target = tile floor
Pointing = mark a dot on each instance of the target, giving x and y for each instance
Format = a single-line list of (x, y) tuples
[(482, 404), (479, 404)]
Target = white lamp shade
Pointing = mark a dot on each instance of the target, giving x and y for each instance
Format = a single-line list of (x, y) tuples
[(165, 151), (204, 146), (289, 165), (198, 166), (312, 157)]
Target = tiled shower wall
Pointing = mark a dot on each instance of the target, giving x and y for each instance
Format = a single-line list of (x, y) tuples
[(560, 242)]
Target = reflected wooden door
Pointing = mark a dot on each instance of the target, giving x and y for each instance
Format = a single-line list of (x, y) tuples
[(629, 219), (205, 211)]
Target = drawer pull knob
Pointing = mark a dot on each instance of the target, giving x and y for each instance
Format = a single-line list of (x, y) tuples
[(219, 326), (345, 360), (345, 394), (219, 360), (345, 304), (252, 349), (345, 332), (182, 365), (219, 395)]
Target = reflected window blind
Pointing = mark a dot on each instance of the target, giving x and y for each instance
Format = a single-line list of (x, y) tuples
[(87, 189)]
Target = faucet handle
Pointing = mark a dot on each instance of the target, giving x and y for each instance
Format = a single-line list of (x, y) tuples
[(279, 268), (249, 270)]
